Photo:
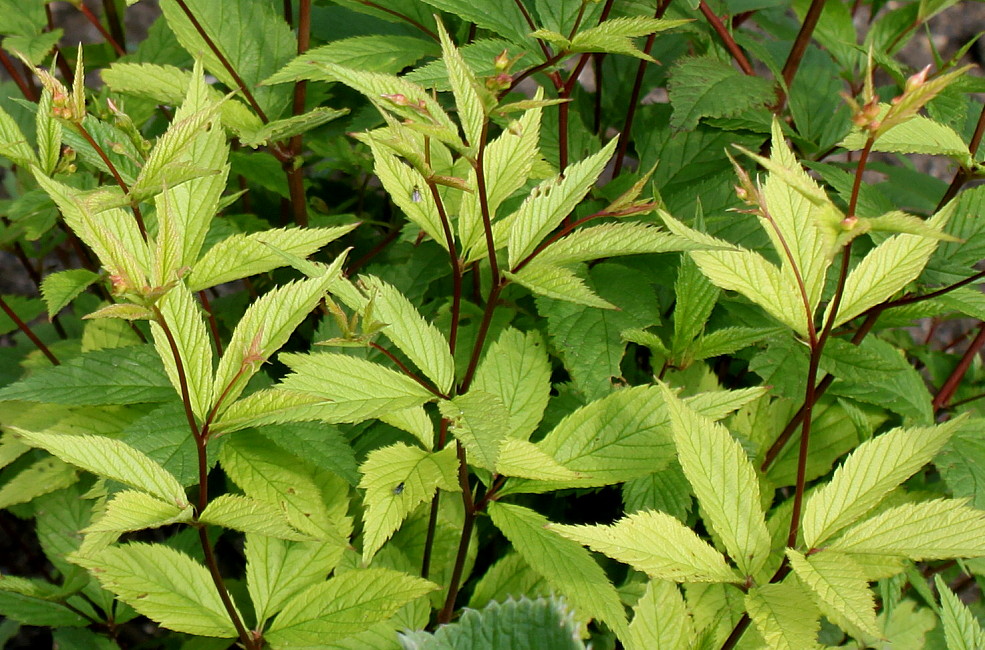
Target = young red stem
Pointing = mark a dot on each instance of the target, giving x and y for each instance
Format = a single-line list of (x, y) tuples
[(407, 371), (950, 386), (963, 175), (115, 21), (727, 40), (213, 325), (116, 176), (295, 175), (94, 20), (18, 78), (800, 46), (463, 545), (22, 326), (405, 18)]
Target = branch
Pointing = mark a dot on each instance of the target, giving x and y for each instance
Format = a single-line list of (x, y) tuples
[(727, 40)]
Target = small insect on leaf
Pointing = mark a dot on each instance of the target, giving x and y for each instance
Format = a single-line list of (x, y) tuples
[(399, 489), (415, 195)]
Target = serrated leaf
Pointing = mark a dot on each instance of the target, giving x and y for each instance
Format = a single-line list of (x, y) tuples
[(917, 135), (479, 420), (930, 530), (611, 240), (961, 627), (724, 481), (615, 35), (517, 370), (60, 288), (421, 341), (564, 564), (465, 87), (707, 87), (192, 369), (41, 477), (291, 126), (557, 283), (657, 544), (660, 619), (874, 469), (130, 510), (524, 459), (13, 144), (110, 458), (551, 201), (358, 388), (250, 516), (49, 131), (397, 479), (376, 53), (163, 584), (784, 615), (343, 606), (240, 256), (840, 588)]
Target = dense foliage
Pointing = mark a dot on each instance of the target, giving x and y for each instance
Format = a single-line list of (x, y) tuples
[(515, 324)]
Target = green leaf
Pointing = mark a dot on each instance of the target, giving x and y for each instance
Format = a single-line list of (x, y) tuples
[(422, 342), (470, 98), (397, 479), (611, 240), (696, 298), (557, 283), (516, 369), (192, 369), (657, 544), (917, 135), (344, 605), (13, 144), (288, 127), (962, 463), (60, 288), (667, 491), (43, 476), (250, 516), (323, 446), (522, 624), (615, 35), (931, 530), (112, 459), (551, 201), (240, 256), (564, 564), (872, 471), (504, 19), (704, 86), (357, 389), (526, 460), (961, 627), (375, 53), (49, 131), (839, 587), (784, 615), (724, 481), (660, 619), (130, 510), (479, 420), (164, 585), (34, 610)]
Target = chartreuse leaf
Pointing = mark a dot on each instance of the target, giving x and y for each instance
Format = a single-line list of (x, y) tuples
[(192, 369), (60, 288), (839, 587), (524, 459), (479, 420), (358, 389), (110, 458), (163, 584), (724, 481), (26, 601), (378, 53), (250, 516), (559, 283), (931, 530), (917, 135), (291, 126), (128, 511), (660, 619), (11, 448), (43, 476), (471, 99), (564, 563), (49, 133), (784, 615), (270, 475), (422, 342), (615, 35), (344, 605), (705, 86), (961, 627), (278, 570), (614, 439), (657, 544), (542, 624), (551, 201), (240, 256), (886, 269), (264, 328), (516, 369), (611, 240), (13, 145), (397, 479)]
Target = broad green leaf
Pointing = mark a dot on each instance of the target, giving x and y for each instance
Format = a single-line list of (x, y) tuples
[(49, 132), (961, 463), (567, 566), (521, 624), (508, 577), (27, 309), (524, 459), (705, 86), (961, 627), (13, 145), (917, 135), (11, 448), (611, 240), (112, 459), (250, 516), (277, 570), (130, 510), (343, 606), (504, 19), (422, 342), (60, 288), (873, 470), (41, 477), (277, 406), (696, 298), (288, 127), (839, 587), (667, 491), (263, 329), (376, 53), (479, 420), (413, 420), (551, 201), (657, 544), (359, 389), (322, 445), (270, 475), (516, 369), (724, 481), (660, 619), (191, 370), (617, 438), (34, 610), (469, 95), (164, 585), (930, 530), (615, 35), (784, 614), (397, 479), (240, 256), (558, 283)]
